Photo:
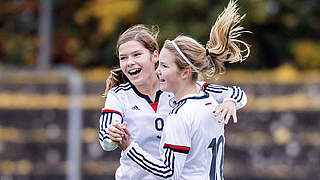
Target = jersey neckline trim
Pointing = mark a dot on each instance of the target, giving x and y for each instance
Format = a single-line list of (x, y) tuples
[(146, 97), (202, 96)]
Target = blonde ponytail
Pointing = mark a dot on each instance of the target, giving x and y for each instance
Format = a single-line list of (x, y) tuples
[(223, 45)]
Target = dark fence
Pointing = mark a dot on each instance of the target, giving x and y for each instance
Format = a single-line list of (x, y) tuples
[(264, 145)]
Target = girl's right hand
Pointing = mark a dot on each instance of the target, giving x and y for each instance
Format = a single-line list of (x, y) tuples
[(119, 133), (116, 131), (126, 140)]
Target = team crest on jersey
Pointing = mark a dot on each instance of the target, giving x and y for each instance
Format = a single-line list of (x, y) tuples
[(172, 102)]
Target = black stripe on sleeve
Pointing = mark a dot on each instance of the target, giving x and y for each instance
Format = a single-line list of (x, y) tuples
[(156, 169), (211, 88), (125, 86), (133, 150), (233, 92), (106, 115), (105, 120), (217, 87), (240, 96), (124, 89), (101, 121), (238, 92)]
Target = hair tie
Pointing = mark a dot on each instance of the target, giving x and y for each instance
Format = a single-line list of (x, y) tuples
[(207, 52)]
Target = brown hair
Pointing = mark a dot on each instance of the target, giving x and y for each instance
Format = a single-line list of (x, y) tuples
[(223, 45), (144, 35)]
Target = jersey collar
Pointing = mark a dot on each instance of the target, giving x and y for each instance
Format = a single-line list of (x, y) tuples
[(146, 97), (201, 95)]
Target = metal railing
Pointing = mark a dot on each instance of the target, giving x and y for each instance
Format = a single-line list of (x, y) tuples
[(74, 113)]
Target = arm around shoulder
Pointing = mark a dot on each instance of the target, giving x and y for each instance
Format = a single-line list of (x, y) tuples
[(239, 96), (224, 93)]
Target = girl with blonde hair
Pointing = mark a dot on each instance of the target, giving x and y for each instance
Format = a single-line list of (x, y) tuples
[(133, 95), (192, 143)]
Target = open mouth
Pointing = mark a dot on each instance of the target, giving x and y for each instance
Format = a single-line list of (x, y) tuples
[(134, 72), (162, 80)]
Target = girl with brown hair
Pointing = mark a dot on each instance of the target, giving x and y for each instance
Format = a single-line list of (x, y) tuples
[(143, 103)]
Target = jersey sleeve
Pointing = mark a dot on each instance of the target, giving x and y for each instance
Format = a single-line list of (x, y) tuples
[(224, 93), (174, 152), (112, 111)]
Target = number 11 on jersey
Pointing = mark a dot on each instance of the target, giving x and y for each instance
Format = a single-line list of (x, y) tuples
[(214, 145)]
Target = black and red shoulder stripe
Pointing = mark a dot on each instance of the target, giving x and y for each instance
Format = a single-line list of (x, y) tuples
[(111, 111), (177, 148)]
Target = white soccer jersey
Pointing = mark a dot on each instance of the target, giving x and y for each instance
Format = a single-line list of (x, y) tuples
[(146, 119), (192, 143)]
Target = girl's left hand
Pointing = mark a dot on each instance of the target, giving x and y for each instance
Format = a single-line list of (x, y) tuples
[(227, 109)]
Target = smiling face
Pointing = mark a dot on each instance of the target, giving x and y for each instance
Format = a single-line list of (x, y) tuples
[(168, 72), (136, 62)]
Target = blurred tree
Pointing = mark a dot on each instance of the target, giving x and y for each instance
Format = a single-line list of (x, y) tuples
[(85, 32), (306, 52), (277, 24), (18, 29), (109, 13)]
